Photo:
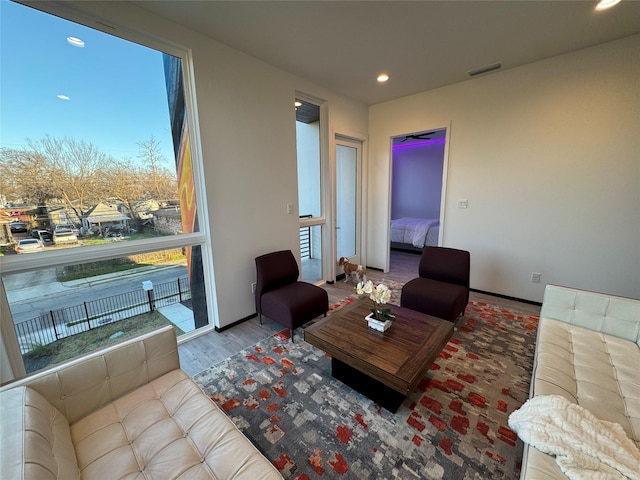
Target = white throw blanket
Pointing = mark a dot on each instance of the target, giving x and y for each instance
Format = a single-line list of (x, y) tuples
[(585, 447)]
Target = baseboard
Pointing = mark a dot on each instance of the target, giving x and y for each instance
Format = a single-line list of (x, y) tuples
[(506, 297), (238, 322)]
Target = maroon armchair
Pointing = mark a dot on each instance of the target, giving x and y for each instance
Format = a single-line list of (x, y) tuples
[(281, 297), (442, 288)]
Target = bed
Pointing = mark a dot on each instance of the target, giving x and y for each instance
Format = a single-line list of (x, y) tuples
[(414, 233)]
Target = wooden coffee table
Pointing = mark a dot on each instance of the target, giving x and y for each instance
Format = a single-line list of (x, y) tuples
[(385, 367)]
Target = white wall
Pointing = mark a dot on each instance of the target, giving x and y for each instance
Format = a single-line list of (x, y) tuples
[(247, 126), (548, 156)]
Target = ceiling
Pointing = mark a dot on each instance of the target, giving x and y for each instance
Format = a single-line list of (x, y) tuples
[(343, 45)]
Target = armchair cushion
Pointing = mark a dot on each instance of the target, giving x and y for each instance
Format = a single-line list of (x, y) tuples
[(281, 297), (442, 288), (295, 304), (448, 265), (274, 270), (444, 300)]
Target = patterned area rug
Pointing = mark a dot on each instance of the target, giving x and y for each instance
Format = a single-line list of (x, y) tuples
[(454, 426)]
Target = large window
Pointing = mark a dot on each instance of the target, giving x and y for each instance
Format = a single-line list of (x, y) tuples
[(99, 197), (308, 131)]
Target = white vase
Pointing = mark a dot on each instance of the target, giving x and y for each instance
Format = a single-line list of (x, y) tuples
[(377, 324)]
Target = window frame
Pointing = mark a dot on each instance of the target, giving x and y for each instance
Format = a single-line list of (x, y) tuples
[(24, 263)]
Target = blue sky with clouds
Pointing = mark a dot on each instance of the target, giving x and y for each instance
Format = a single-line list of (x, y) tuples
[(116, 88)]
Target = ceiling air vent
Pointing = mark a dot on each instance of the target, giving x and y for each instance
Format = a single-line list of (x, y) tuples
[(483, 70)]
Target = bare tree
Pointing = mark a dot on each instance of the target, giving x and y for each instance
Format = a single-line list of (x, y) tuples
[(151, 155), (121, 180), (76, 167), (166, 184), (26, 174), (77, 174)]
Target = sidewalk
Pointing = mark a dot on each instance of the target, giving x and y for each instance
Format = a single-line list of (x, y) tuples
[(180, 316), (50, 286)]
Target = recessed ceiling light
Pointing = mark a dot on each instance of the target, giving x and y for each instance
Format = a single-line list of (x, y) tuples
[(63, 97), (605, 4), (75, 41), (383, 77), (298, 103)]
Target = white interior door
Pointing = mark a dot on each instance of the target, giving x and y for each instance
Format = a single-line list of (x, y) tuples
[(348, 203)]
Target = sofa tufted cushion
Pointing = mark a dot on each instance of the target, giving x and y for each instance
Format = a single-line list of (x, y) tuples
[(85, 384), (165, 429), (36, 442), (617, 316), (588, 351), (595, 370)]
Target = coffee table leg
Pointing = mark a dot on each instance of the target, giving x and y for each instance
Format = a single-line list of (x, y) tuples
[(387, 397)]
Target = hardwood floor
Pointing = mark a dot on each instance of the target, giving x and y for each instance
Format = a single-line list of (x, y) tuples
[(206, 350)]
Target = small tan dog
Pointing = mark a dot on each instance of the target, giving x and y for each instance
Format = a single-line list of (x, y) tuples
[(357, 272)]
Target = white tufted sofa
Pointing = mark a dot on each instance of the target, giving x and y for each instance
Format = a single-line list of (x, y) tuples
[(588, 351), (125, 412)]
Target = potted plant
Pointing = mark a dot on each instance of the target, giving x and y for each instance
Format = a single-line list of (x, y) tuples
[(380, 317)]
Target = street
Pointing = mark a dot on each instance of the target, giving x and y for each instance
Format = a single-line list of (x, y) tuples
[(35, 293)]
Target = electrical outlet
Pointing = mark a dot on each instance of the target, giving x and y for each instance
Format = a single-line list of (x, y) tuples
[(535, 277), (253, 287)]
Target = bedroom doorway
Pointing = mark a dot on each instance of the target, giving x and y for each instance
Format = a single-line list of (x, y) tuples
[(418, 167)]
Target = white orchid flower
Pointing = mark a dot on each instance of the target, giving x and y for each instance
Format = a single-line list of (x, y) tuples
[(380, 294), (364, 287)]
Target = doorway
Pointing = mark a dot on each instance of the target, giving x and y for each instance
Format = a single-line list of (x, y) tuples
[(348, 200), (418, 170)]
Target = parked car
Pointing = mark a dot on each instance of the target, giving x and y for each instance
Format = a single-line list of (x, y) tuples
[(43, 235), (29, 245), (61, 237), (19, 227)]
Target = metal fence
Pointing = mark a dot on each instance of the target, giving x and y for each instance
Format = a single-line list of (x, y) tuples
[(305, 240), (65, 322)]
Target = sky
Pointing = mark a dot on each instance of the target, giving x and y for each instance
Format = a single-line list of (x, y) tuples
[(115, 88)]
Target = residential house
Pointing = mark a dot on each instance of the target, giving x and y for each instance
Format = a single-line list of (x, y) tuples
[(167, 220), (52, 215), (101, 217), (546, 153), (142, 209)]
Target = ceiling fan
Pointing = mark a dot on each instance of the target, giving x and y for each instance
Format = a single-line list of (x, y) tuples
[(419, 136)]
